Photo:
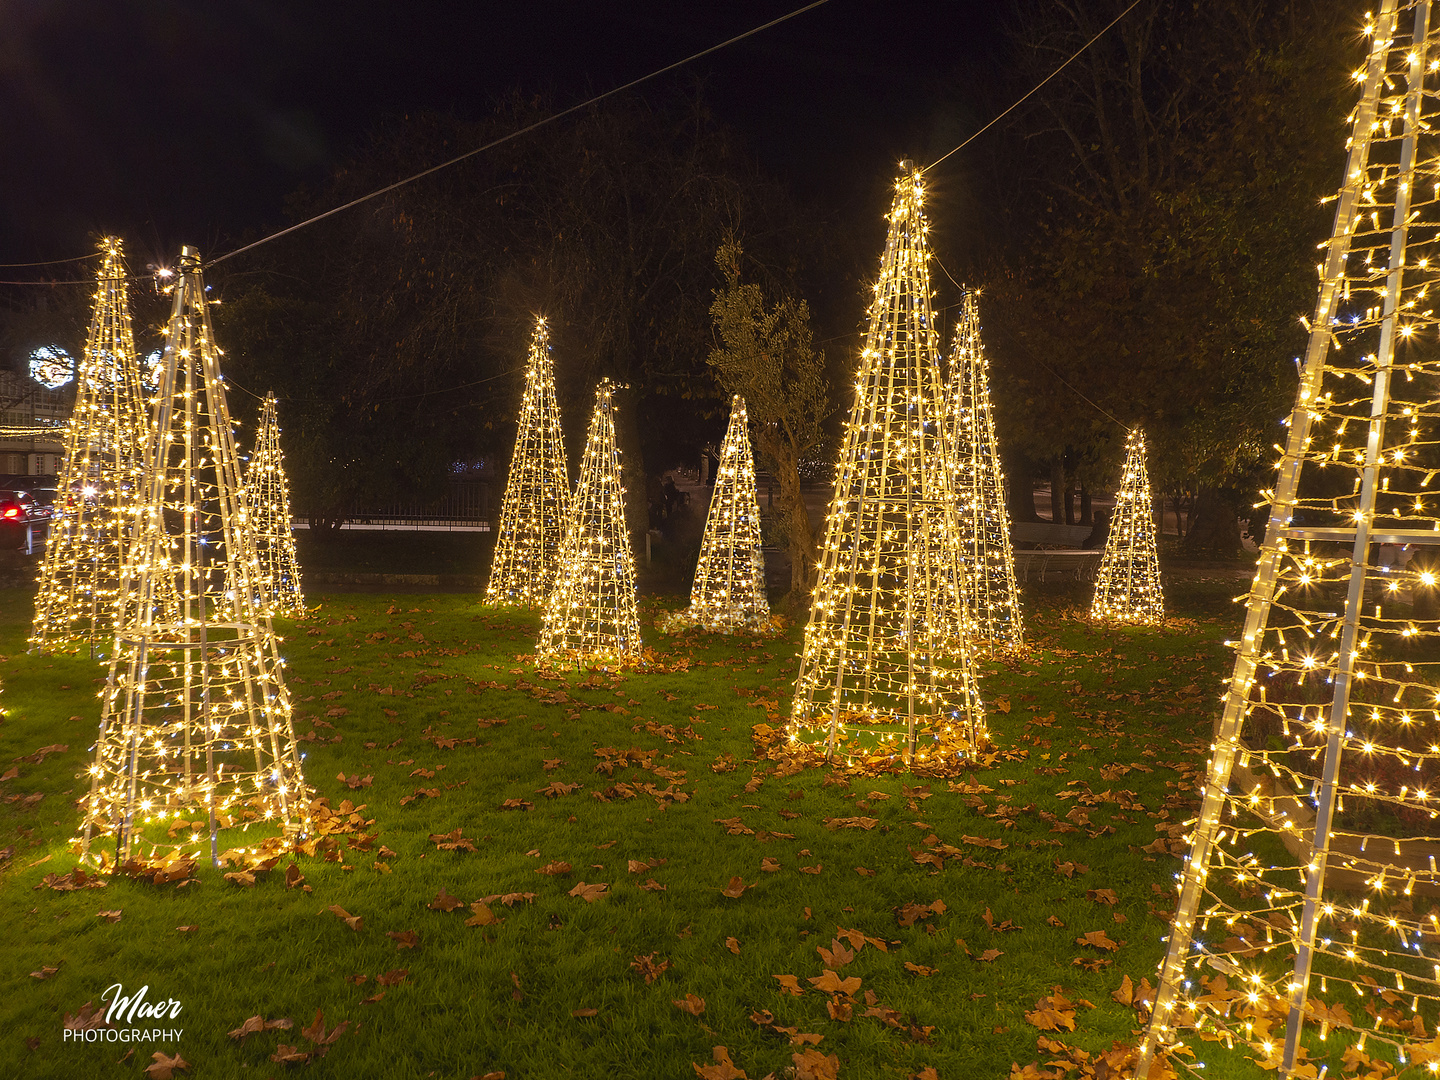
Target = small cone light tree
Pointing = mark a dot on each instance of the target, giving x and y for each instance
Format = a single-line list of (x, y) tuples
[(729, 589), (1304, 935), (195, 731), (887, 659), (1127, 587), (591, 618), (100, 475), (534, 510), (991, 594), (267, 498)]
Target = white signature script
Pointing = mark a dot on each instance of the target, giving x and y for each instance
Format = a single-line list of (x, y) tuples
[(128, 1009)]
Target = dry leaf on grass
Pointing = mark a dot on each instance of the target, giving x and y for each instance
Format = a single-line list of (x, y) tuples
[(690, 1003), (164, 1067), (581, 1014), (919, 969), (648, 967), (723, 1069), (1099, 940), (735, 888), (790, 985), (46, 972), (813, 1065), (589, 893), (393, 977), (555, 869), (769, 865), (831, 983), (733, 945), (355, 922), (404, 939), (289, 1055), (444, 901), (482, 916)]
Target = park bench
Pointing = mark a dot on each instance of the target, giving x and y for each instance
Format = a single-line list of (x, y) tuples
[(1043, 547)]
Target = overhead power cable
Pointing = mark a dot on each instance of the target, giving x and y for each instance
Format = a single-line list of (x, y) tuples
[(1034, 89), (516, 134)]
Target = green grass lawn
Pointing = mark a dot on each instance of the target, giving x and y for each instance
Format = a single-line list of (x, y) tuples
[(1104, 736)]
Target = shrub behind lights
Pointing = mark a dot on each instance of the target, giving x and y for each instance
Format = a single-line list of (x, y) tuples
[(886, 657), (591, 617), (729, 588), (100, 475), (267, 496), (1127, 587), (537, 494), (991, 595), (195, 715), (1307, 933)]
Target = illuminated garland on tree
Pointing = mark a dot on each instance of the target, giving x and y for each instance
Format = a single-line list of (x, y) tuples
[(1305, 934), (991, 594), (591, 618), (267, 497), (537, 494), (195, 730), (1127, 587), (887, 657), (100, 475), (729, 589)]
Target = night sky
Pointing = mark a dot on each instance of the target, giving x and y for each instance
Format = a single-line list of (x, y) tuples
[(188, 122)]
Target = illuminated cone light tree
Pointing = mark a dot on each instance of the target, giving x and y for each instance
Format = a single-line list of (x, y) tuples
[(1312, 864), (729, 589), (100, 475), (267, 498), (534, 510), (886, 656), (195, 722), (591, 617), (1127, 587), (991, 594)]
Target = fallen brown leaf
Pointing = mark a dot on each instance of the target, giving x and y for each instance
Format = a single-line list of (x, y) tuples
[(690, 1003)]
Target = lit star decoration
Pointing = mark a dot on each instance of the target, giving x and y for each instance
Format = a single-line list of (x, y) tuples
[(195, 727), (537, 494), (729, 589), (591, 618), (887, 668), (267, 497), (991, 594), (100, 475), (1306, 931), (1127, 586)]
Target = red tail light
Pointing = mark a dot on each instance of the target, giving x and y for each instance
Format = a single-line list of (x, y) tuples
[(12, 512)]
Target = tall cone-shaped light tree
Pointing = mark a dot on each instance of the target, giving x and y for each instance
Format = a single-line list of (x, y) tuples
[(1310, 888), (991, 594), (591, 617), (1127, 587), (195, 721), (267, 498), (100, 475), (729, 589), (887, 660), (534, 510)]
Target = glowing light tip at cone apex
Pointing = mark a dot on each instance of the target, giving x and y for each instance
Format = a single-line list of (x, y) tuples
[(195, 714), (535, 506), (888, 633)]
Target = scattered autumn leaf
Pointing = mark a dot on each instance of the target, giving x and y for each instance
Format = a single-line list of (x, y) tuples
[(444, 901), (690, 1003), (735, 888), (355, 922), (589, 893), (164, 1067), (733, 945), (831, 983)]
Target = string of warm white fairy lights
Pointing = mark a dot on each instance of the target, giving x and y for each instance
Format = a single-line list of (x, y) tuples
[(887, 665), (1127, 585), (591, 618), (729, 589), (1312, 862), (100, 474), (534, 509), (991, 594), (267, 499), (195, 724)]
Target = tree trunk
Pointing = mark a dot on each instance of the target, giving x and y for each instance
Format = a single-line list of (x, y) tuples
[(799, 534), (1019, 477), (1057, 492), (1214, 525), (632, 469), (1087, 511), (1069, 504)]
